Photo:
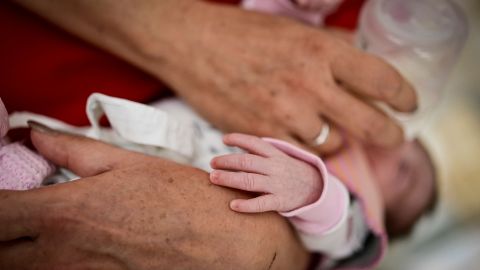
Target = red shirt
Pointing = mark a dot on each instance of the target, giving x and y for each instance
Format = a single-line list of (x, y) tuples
[(46, 70)]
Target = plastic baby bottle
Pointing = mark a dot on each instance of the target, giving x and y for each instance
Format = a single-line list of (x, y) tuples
[(423, 40)]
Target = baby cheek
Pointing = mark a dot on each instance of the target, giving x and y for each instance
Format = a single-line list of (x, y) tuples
[(386, 170)]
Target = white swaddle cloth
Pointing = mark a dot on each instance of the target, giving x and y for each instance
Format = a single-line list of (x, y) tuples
[(168, 128)]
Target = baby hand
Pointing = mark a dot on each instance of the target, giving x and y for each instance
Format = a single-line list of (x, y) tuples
[(285, 183)]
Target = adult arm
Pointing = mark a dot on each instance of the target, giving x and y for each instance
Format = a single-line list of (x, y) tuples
[(244, 71), (131, 211)]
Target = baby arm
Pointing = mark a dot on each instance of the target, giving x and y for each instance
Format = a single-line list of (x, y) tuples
[(296, 184), (286, 178)]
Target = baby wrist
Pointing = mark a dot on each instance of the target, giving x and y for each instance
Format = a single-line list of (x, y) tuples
[(324, 214), (331, 206)]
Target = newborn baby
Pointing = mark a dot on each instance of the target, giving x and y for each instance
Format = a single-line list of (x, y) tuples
[(321, 206), (405, 177)]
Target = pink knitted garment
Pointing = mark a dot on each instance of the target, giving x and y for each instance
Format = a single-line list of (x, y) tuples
[(20, 168), (308, 11)]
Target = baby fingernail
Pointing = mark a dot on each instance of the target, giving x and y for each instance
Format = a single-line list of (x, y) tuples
[(213, 175)]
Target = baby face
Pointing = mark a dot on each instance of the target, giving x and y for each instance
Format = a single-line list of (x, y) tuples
[(406, 179)]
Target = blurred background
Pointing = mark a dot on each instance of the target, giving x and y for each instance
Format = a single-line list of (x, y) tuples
[(450, 238)]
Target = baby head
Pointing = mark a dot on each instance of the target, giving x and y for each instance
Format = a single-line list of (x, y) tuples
[(407, 182)]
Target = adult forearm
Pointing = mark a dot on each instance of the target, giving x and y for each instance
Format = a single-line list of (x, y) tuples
[(245, 71), (132, 211), (145, 33)]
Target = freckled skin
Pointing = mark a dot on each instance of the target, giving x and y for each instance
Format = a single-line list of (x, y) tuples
[(143, 213), (225, 62)]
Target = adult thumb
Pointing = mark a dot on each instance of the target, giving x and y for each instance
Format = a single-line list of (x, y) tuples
[(84, 156)]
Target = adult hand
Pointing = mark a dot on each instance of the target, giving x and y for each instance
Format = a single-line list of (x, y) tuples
[(271, 76), (247, 72), (131, 211)]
